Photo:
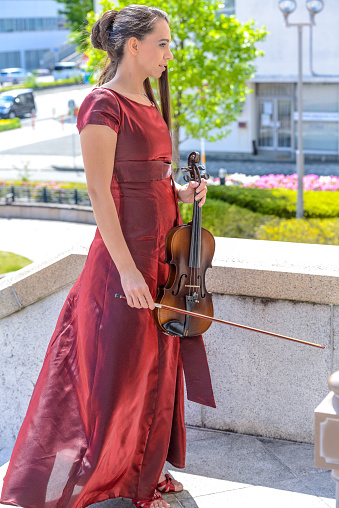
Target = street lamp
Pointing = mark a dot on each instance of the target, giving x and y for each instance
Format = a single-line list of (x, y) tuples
[(313, 7)]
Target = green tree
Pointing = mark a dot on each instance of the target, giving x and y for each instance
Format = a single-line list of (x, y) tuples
[(213, 58), (75, 12)]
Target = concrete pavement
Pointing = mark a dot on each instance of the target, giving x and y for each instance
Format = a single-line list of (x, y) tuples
[(225, 470)]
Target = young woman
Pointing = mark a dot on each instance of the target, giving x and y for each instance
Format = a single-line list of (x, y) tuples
[(108, 406)]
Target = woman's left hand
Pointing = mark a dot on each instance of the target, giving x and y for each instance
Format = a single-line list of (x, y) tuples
[(186, 192)]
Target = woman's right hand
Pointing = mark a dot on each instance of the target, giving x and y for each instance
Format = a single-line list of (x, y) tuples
[(136, 289)]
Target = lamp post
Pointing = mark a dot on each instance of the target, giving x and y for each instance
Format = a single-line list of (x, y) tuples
[(313, 7)]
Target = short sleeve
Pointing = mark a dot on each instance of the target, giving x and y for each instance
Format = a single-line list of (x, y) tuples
[(100, 107)]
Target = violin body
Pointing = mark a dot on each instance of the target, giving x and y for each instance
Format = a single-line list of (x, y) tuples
[(175, 291), (189, 253)]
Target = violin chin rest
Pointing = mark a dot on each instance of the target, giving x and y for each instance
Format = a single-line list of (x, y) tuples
[(174, 328)]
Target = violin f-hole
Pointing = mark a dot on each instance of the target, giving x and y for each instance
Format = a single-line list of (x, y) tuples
[(179, 284), (199, 278)]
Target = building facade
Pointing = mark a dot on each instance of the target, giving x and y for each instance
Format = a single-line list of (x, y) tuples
[(268, 123), (28, 30)]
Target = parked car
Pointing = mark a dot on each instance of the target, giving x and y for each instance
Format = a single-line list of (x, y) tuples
[(42, 72), (66, 70), (14, 75), (17, 103)]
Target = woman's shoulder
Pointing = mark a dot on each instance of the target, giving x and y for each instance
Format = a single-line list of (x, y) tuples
[(100, 96), (100, 107)]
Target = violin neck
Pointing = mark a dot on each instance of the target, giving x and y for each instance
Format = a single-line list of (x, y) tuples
[(195, 247)]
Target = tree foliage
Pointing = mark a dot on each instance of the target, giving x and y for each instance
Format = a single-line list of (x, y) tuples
[(213, 59), (75, 12)]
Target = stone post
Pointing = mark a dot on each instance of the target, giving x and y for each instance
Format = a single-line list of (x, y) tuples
[(326, 442)]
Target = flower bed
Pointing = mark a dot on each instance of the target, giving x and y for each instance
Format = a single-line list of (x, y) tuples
[(7, 125), (310, 182), (239, 209)]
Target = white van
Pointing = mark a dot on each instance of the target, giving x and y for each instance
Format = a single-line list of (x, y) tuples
[(66, 70)]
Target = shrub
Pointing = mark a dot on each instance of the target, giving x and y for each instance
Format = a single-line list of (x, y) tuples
[(278, 202), (322, 231), (223, 219), (9, 262), (7, 125)]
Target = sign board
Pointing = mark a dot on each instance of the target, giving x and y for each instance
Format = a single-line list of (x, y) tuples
[(318, 117)]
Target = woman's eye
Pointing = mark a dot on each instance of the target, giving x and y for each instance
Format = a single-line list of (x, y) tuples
[(163, 44)]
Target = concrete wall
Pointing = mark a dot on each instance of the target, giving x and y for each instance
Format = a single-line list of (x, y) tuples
[(46, 211), (263, 385)]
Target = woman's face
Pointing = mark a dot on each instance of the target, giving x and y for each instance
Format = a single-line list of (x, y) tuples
[(154, 51)]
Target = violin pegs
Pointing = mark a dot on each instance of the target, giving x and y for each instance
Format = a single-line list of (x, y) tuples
[(186, 178)]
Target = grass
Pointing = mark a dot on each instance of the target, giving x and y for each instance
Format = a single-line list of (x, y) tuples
[(10, 262)]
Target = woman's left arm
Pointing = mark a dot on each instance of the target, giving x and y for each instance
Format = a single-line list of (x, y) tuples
[(186, 192)]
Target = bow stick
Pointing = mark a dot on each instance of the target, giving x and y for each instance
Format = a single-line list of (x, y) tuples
[(195, 314)]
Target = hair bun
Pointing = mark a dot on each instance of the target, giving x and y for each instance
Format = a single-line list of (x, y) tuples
[(101, 30)]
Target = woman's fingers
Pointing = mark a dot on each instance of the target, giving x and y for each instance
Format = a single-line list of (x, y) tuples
[(149, 299), (142, 299), (201, 192), (136, 290)]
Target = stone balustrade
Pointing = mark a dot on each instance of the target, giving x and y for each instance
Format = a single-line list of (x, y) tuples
[(263, 385)]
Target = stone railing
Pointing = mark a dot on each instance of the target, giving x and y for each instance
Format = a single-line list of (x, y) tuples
[(263, 385), (326, 424)]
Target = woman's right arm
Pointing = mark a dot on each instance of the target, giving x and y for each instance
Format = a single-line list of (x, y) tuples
[(98, 144)]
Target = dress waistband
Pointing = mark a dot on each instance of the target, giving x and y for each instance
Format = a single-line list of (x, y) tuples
[(141, 171)]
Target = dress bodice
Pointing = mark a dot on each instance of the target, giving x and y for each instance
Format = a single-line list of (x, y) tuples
[(142, 132)]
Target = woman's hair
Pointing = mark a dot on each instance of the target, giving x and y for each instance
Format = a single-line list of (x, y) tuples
[(114, 29)]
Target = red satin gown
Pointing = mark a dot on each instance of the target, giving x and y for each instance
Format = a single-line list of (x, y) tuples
[(108, 406)]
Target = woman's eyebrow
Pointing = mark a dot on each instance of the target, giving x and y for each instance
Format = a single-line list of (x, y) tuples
[(167, 40)]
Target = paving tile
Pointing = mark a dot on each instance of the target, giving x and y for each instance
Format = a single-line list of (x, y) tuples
[(126, 503), (196, 434), (5, 455), (321, 483), (331, 503), (196, 485), (255, 497), (299, 457), (235, 458), (114, 503)]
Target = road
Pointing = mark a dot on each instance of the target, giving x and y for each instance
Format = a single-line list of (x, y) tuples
[(51, 151)]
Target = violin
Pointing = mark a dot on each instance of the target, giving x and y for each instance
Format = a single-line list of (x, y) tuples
[(189, 252)]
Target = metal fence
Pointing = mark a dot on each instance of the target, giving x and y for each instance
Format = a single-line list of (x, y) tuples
[(26, 194)]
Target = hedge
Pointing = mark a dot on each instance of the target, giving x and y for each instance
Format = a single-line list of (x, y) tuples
[(322, 231), (223, 219), (10, 262), (7, 125), (278, 202)]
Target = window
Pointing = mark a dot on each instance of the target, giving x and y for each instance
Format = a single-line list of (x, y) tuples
[(31, 24), (229, 8), (10, 59), (320, 117), (35, 58)]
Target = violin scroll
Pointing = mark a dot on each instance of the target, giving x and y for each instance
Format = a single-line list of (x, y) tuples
[(194, 170)]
